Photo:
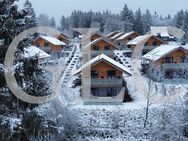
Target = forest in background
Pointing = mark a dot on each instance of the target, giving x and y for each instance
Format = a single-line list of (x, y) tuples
[(125, 21)]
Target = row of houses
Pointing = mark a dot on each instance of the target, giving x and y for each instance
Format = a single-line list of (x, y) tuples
[(160, 58)]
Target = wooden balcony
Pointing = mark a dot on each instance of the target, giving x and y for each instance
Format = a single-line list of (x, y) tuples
[(175, 66), (98, 52), (106, 82), (46, 49)]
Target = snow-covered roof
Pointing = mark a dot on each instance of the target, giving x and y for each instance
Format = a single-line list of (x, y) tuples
[(107, 59), (139, 39), (125, 35), (111, 33), (98, 40), (53, 40), (162, 51), (162, 30), (117, 35), (32, 51)]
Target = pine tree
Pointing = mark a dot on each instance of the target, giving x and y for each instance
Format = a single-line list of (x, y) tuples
[(127, 18), (147, 21), (43, 20), (179, 18), (63, 23), (30, 19), (138, 22), (185, 26), (52, 22), (12, 22)]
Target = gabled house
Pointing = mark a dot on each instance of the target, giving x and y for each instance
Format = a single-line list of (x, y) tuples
[(168, 62), (151, 42), (125, 38), (162, 32), (33, 51), (102, 45), (106, 76), (111, 34), (50, 45), (62, 37)]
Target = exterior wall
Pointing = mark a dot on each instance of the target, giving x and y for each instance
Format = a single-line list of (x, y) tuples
[(152, 40), (42, 42), (108, 89), (102, 44), (103, 67), (95, 36), (172, 70), (176, 56), (149, 45)]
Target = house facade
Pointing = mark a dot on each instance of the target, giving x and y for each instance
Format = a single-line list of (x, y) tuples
[(101, 45), (106, 76), (150, 43), (168, 62), (50, 45)]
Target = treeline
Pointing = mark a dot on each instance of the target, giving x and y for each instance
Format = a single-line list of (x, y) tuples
[(126, 20)]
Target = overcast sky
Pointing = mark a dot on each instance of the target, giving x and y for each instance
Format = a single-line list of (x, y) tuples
[(57, 8)]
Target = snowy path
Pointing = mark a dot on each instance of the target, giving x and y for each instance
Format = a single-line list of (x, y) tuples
[(70, 66)]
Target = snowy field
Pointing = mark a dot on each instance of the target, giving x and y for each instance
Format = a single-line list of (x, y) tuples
[(119, 122)]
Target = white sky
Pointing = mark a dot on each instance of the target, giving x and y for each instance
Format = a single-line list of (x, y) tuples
[(57, 8)]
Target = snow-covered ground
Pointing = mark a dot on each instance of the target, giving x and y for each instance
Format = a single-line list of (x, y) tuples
[(80, 122)]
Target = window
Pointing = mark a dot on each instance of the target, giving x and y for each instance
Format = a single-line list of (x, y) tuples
[(154, 43), (94, 74), (169, 60), (111, 73), (111, 92), (182, 60), (46, 44), (106, 48), (129, 38), (38, 45), (96, 48), (95, 91), (168, 75)]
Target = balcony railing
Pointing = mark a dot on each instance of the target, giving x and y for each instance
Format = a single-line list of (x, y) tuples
[(175, 66), (149, 47), (97, 82), (106, 52), (46, 49)]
